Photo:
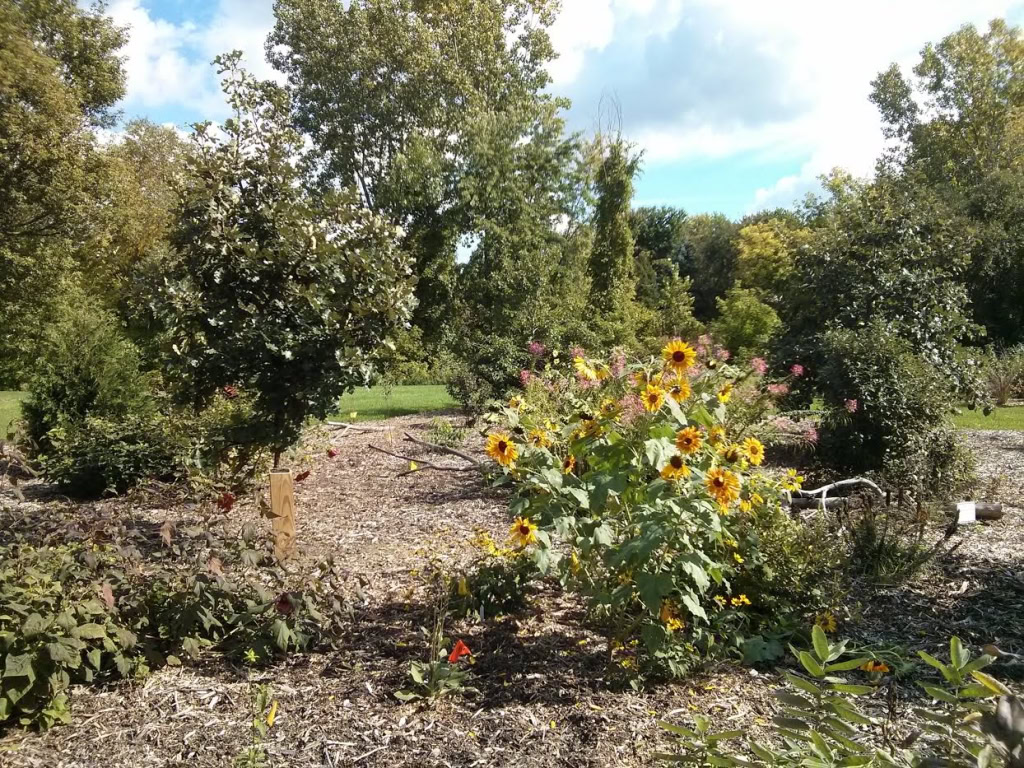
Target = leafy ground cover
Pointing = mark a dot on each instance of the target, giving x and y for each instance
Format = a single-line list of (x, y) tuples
[(376, 403), (545, 695), (9, 408)]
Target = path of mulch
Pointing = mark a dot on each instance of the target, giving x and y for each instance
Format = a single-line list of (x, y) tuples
[(544, 696)]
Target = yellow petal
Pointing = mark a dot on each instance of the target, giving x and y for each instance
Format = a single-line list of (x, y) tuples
[(413, 466), (272, 715)]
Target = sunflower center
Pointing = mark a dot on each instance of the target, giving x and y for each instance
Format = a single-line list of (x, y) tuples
[(719, 482), (678, 356), (524, 530), (677, 462), (502, 446)]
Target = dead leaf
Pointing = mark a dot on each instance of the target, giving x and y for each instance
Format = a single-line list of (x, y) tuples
[(215, 566), (167, 532), (107, 593)]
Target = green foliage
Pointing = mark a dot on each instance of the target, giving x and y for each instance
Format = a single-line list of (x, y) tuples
[(1004, 374), (765, 259), (745, 325), (264, 712), (441, 431), (279, 293), (86, 367), (890, 544), (496, 583), (710, 259), (100, 455), (821, 724), (901, 410)]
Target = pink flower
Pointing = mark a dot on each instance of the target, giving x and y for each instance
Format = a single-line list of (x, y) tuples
[(811, 435), (851, 406), (722, 354), (760, 365), (585, 383), (537, 349), (704, 340), (632, 408), (797, 370), (577, 352), (524, 377), (778, 390)]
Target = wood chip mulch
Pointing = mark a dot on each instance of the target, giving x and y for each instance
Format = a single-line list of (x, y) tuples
[(545, 697)]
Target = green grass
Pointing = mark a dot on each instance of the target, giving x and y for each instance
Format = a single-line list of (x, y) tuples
[(378, 403), (9, 410), (1011, 417)]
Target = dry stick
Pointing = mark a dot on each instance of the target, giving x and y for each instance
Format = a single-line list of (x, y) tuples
[(356, 427), (442, 448), (423, 464)]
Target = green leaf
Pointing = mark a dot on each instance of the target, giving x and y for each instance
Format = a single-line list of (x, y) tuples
[(938, 693), (89, 632), (820, 643), (803, 684), (34, 625), (695, 608), (853, 690), (846, 666), (281, 634), (652, 587), (725, 735), (958, 655), (19, 666), (678, 730), (61, 654), (811, 664), (929, 659), (991, 683)]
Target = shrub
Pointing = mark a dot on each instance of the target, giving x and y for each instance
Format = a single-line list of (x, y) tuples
[(441, 431), (486, 368), (745, 324), (888, 409), (1004, 375), (496, 583), (101, 455), (640, 497), (820, 723), (85, 367)]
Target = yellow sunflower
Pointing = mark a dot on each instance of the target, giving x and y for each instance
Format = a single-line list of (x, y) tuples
[(725, 393), (723, 485), (827, 621), (717, 435), (754, 450), (680, 391), (669, 616), (731, 453), (501, 448), (689, 440), (515, 404), (679, 356), (675, 469), (539, 437), (654, 398), (741, 600), (610, 408), (792, 481), (523, 532), (584, 369), (568, 464)]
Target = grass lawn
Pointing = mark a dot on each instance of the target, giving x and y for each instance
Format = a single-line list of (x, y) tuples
[(1011, 417), (378, 403), (9, 410)]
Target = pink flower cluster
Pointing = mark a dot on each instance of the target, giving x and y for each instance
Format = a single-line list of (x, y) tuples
[(618, 364), (778, 390), (524, 377), (760, 365), (851, 406), (797, 370), (537, 349), (632, 408), (577, 352)]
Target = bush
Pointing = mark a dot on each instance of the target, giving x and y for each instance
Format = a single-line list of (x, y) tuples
[(86, 367), (745, 324), (888, 410), (486, 368), (101, 456), (1004, 375), (441, 431), (639, 496)]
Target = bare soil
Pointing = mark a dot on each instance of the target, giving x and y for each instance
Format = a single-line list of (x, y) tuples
[(545, 694)]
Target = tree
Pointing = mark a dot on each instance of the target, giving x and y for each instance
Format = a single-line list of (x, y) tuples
[(659, 239), (58, 75), (402, 97), (612, 280), (274, 290), (765, 257), (710, 259), (745, 324)]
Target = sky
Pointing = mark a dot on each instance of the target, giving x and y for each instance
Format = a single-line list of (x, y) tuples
[(737, 105)]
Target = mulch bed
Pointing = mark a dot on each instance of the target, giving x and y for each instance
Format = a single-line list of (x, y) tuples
[(545, 697)]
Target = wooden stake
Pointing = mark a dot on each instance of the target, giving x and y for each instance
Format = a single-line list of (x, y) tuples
[(282, 510)]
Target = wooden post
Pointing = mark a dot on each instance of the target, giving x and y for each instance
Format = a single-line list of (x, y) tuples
[(282, 511)]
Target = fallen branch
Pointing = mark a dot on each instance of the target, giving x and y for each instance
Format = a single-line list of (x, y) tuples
[(442, 449), (357, 427), (421, 464)]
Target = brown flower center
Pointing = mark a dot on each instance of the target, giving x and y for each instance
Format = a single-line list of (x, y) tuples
[(502, 446), (676, 462), (524, 530), (678, 356), (719, 481)]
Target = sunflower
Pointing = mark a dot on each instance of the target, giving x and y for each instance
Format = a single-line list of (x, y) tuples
[(523, 532), (584, 369), (501, 448), (827, 621), (717, 435), (679, 356), (731, 453), (669, 616), (515, 404), (610, 408), (539, 438), (680, 391), (875, 668), (675, 469), (689, 440), (654, 398), (792, 481), (741, 600), (725, 393), (723, 485), (568, 464), (754, 450), (720, 600)]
